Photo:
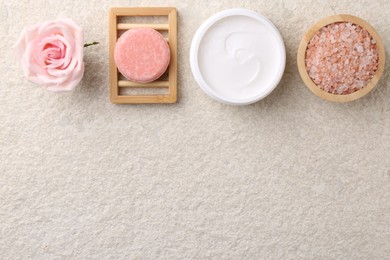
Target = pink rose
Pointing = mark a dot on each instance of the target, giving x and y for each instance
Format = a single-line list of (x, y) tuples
[(51, 54)]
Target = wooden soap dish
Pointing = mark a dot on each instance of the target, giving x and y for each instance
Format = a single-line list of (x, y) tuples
[(302, 55), (116, 81)]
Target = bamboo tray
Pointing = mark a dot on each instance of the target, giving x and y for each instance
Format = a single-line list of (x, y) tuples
[(117, 81)]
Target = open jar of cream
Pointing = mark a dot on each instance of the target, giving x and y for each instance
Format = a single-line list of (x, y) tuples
[(341, 58), (237, 56)]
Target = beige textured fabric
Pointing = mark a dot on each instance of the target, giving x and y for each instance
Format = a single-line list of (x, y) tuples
[(290, 177)]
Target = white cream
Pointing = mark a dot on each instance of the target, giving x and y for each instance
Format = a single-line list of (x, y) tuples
[(237, 56)]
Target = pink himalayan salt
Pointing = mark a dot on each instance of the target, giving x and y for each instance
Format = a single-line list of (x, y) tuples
[(341, 58)]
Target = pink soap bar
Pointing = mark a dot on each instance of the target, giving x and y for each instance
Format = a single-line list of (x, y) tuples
[(142, 55)]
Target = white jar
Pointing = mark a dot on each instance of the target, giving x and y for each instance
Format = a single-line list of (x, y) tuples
[(237, 56)]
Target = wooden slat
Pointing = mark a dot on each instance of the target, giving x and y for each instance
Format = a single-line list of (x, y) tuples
[(156, 26), (142, 99), (112, 21), (172, 20), (141, 11), (154, 84)]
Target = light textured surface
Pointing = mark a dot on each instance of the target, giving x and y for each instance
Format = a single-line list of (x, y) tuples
[(290, 177)]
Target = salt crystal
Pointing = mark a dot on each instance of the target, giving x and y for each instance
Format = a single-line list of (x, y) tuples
[(338, 59)]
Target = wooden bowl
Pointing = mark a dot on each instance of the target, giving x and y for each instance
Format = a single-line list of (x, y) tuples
[(302, 54)]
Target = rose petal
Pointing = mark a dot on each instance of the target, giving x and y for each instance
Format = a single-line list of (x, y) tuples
[(62, 59), (51, 54), (66, 51), (71, 83)]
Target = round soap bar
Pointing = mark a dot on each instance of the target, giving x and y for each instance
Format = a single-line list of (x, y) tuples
[(142, 55)]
